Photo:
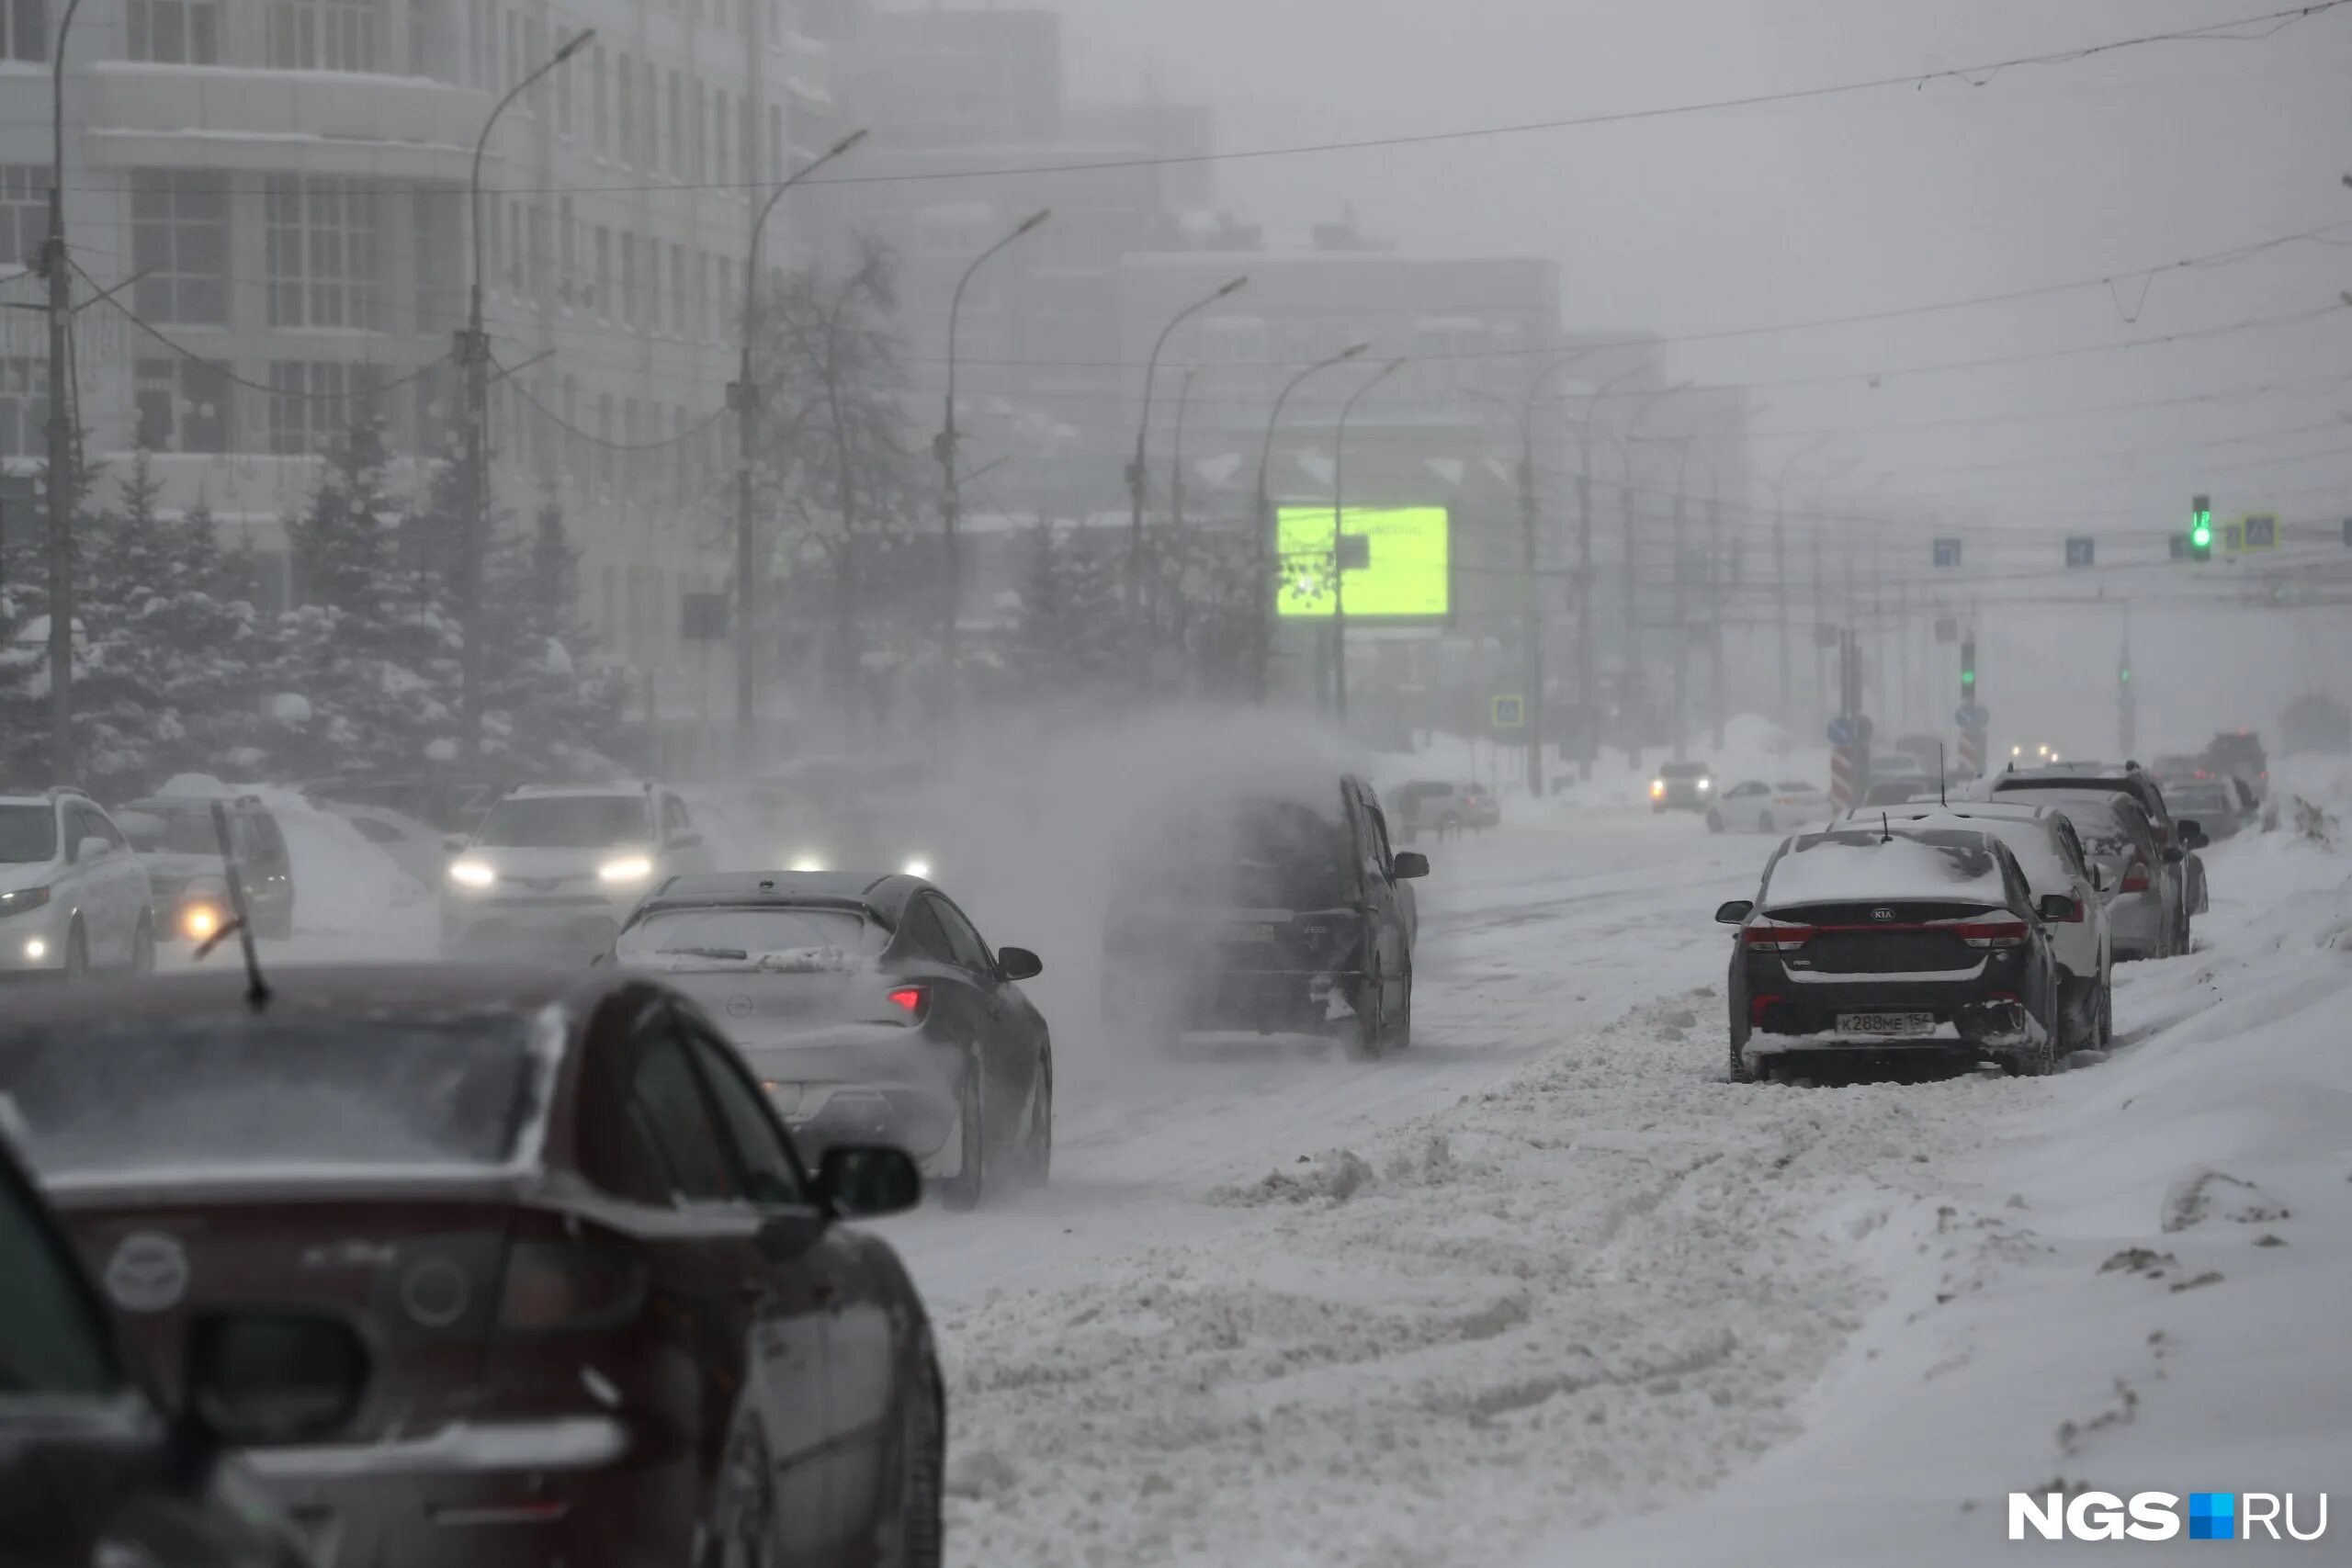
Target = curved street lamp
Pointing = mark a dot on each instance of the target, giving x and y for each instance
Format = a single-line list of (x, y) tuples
[(474, 353), (61, 429), (942, 446), (1339, 557), (1268, 588), (743, 397), (1135, 474)]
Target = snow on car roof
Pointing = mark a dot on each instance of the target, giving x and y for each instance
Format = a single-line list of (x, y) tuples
[(1852, 865), (2029, 835)]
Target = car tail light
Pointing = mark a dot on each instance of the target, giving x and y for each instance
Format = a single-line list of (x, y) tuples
[(553, 1286), (1991, 933), (2135, 878), (2080, 912), (1768, 935), (1758, 1006), (911, 1001)]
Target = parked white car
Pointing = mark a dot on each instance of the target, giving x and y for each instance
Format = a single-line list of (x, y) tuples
[(1753, 806), (73, 896), (2050, 851)]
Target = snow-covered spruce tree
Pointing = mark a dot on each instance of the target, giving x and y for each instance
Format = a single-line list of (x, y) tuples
[(1070, 639), (366, 672), (169, 682), (24, 635), (546, 712)]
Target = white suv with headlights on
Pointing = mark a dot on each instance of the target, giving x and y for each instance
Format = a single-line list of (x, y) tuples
[(73, 896), (554, 870)]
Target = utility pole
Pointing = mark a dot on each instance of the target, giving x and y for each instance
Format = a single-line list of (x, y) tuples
[(1590, 721), (1716, 599), (1780, 599), (1531, 616), (1138, 483), (1339, 548), (1263, 556), (1682, 608), (62, 759)]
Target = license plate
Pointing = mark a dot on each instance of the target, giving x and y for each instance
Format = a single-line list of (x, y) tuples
[(1896, 1024)]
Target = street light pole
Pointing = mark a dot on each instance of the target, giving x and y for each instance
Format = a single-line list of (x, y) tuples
[(474, 353), (1781, 568), (951, 494), (1136, 480), (1267, 588), (1338, 554), (743, 397), (62, 758), (1176, 455), (1586, 695), (1632, 583)]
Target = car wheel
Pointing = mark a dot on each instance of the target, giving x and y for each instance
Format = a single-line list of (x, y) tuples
[(916, 1538), (1764, 822), (741, 1528), (2106, 1015), (1714, 821), (1400, 1032), (142, 947), (1035, 1161), (1368, 1031), (77, 953), (965, 1189), (1737, 1069)]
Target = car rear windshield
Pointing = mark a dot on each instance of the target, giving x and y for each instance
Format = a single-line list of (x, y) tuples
[(1850, 866), (136, 1095), (156, 832), (28, 834), (779, 938), (565, 822), (1683, 770), (2108, 824)]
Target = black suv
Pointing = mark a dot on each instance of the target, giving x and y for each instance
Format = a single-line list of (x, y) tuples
[(1266, 914), (1865, 943)]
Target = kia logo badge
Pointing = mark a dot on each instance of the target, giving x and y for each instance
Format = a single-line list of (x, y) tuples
[(1882, 914)]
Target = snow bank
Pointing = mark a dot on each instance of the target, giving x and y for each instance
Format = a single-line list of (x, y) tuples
[(2138, 1285)]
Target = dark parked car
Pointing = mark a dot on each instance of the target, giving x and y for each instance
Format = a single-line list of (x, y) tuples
[(95, 1469), (614, 1319), (871, 1010), (1682, 786), (1442, 807), (176, 841), (1867, 943), (1266, 915), (2239, 753)]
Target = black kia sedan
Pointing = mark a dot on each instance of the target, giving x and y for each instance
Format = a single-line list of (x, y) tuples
[(1870, 943), (873, 1011), (612, 1317)]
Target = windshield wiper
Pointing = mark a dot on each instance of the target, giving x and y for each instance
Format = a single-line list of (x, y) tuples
[(735, 953)]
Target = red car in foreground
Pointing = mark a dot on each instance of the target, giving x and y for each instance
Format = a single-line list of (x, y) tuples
[(612, 1319)]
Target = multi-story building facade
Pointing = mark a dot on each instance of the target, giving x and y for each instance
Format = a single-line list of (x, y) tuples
[(281, 188)]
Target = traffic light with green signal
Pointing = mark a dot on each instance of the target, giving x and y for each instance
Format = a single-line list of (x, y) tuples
[(2200, 528), (1968, 670)]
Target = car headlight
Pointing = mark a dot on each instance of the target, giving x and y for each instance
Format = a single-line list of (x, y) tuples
[(807, 862), (627, 868), (472, 873), (1658, 788), (916, 866), (1706, 784), (36, 949), (200, 921), (22, 899)]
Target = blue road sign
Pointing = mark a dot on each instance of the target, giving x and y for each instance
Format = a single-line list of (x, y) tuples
[(1968, 716), (1841, 731), (2081, 551), (1946, 552)]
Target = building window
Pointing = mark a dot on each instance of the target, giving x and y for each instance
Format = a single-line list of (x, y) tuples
[(628, 314), (677, 129), (603, 303), (323, 253), (322, 35), (183, 405), (623, 83), (24, 407), (24, 29), (24, 212), (311, 402), (173, 32), (179, 246)]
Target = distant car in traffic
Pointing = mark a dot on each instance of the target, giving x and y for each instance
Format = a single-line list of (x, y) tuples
[(1269, 914), (2215, 803), (94, 1469), (2131, 779), (1898, 789), (190, 882), (871, 1010), (73, 896), (2240, 753), (2144, 883), (1753, 806), (852, 814), (1867, 943), (1682, 786), (417, 848), (2051, 853), (612, 1317), (1441, 807), (555, 869)]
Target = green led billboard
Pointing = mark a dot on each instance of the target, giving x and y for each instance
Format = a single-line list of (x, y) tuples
[(1396, 562)]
